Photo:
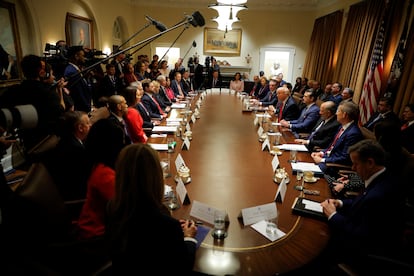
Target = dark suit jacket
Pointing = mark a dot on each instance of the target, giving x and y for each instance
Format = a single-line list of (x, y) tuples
[(174, 87), (407, 138), (266, 101), (218, 83), (162, 98), (109, 88), (262, 92), (151, 106), (359, 226), (387, 116), (114, 120), (307, 119), (290, 110), (198, 76), (339, 153), (324, 135), (145, 116)]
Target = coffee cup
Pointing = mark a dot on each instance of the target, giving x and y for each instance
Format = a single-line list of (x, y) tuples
[(308, 175)]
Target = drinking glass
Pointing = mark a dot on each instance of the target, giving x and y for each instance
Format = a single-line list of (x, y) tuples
[(165, 165), (292, 157), (219, 231), (170, 143)]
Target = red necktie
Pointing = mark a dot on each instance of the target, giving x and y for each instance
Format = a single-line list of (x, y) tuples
[(404, 126), (281, 111), (336, 139), (158, 105)]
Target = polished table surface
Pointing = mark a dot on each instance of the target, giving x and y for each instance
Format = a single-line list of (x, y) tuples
[(230, 171)]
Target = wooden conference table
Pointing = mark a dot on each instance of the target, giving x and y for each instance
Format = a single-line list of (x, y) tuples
[(230, 171)]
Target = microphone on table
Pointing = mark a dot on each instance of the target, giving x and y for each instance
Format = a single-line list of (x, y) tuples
[(160, 27)]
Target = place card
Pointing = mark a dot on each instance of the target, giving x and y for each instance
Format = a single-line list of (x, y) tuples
[(275, 163), (186, 144), (281, 191), (225, 90), (188, 127), (179, 162), (257, 213), (260, 131), (266, 144), (182, 192), (203, 212), (193, 118)]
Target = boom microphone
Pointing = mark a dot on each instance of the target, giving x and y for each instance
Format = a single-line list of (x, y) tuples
[(196, 19), (160, 27)]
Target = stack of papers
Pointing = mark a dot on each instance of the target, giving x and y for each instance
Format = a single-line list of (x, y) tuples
[(306, 166), (159, 146), (164, 129), (178, 105), (296, 147)]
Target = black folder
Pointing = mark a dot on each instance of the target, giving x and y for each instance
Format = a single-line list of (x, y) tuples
[(298, 208)]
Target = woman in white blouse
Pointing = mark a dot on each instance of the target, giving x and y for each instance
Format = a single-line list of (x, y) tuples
[(237, 84)]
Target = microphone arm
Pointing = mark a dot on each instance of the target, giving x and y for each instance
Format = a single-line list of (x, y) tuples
[(134, 35), (173, 43), (196, 20), (192, 45)]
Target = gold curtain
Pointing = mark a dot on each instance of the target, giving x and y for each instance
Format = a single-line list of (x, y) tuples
[(321, 58), (405, 94)]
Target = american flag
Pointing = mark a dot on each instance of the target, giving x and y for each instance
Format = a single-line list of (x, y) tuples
[(372, 84)]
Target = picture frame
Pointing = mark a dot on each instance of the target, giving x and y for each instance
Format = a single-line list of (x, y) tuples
[(10, 47), (79, 31), (222, 43)]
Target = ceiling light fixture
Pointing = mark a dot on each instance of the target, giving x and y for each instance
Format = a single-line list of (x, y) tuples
[(227, 13)]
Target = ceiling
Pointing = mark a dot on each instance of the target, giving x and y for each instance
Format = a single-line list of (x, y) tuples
[(251, 4)]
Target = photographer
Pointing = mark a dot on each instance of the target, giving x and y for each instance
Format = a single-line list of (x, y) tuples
[(33, 92)]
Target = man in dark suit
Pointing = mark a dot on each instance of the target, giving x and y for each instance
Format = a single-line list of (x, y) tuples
[(271, 97), (325, 129), (150, 103), (118, 108), (358, 226), (215, 80), (198, 75), (348, 134), (177, 86), (286, 107), (308, 117), (407, 129), (384, 112), (256, 86)]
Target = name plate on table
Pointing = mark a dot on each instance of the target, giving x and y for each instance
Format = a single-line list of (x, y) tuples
[(266, 144), (281, 191), (164, 129), (254, 214), (186, 144), (204, 212), (179, 162), (182, 192), (260, 131), (275, 163)]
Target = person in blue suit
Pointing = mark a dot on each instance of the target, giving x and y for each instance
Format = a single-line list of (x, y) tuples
[(365, 224), (347, 135), (308, 117)]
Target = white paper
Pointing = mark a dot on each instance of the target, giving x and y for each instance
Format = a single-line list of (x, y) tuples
[(161, 135), (306, 166), (276, 124), (164, 129), (167, 189), (261, 228), (172, 123), (297, 147), (174, 119), (264, 115), (193, 118), (260, 131), (178, 105), (225, 90), (159, 146), (215, 90), (312, 205), (254, 214)]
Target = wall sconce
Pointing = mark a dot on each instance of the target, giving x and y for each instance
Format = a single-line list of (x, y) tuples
[(227, 12)]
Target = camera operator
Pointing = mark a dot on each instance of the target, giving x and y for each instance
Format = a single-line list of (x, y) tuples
[(32, 91)]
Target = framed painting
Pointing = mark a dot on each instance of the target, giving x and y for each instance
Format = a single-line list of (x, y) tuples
[(222, 43), (10, 49), (79, 31)]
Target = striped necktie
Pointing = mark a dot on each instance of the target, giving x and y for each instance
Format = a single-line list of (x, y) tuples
[(328, 151)]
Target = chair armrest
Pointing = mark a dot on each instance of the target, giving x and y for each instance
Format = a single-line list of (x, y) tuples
[(303, 135), (339, 166)]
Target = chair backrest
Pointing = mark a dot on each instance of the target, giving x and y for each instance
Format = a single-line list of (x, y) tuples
[(39, 188)]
